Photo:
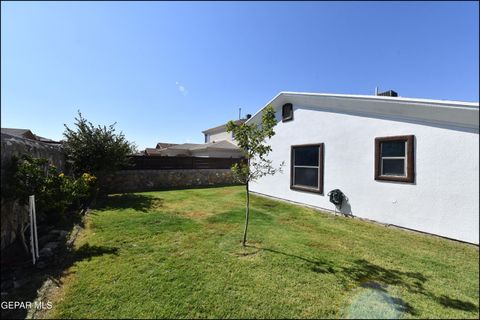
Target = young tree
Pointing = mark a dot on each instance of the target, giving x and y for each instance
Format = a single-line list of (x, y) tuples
[(95, 149), (252, 139)]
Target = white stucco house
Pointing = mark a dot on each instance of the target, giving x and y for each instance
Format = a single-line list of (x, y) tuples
[(412, 163), (220, 133)]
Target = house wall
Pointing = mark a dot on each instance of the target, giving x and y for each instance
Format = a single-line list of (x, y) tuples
[(217, 136), (443, 200)]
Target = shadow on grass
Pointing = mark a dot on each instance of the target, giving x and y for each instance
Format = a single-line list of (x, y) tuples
[(87, 252), (371, 276), (363, 270), (456, 304), (138, 202), (177, 188), (54, 272)]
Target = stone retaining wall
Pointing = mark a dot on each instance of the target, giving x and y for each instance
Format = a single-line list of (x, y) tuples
[(12, 214), (149, 180), (15, 146)]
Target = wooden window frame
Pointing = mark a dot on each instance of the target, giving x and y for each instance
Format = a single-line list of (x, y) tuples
[(321, 148), (409, 159), (289, 118)]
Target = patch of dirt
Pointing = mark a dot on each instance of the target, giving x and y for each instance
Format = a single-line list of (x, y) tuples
[(157, 204), (254, 244), (251, 251), (226, 192), (197, 214), (219, 228), (248, 254)]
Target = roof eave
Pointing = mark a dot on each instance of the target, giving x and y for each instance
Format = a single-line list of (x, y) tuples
[(219, 129), (453, 113)]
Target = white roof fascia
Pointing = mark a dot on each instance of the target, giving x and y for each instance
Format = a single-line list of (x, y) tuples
[(440, 112)]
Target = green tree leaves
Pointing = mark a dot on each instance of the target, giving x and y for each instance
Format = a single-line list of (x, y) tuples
[(252, 139), (95, 149)]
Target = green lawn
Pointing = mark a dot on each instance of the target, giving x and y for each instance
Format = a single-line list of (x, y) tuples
[(177, 254)]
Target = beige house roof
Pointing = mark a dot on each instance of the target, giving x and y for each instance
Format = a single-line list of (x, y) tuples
[(220, 145), (23, 133), (162, 145), (27, 134), (191, 149)]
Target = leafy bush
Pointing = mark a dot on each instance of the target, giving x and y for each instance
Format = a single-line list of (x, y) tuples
[(95, 149), (27, 177), (54, 191), (83, 187)]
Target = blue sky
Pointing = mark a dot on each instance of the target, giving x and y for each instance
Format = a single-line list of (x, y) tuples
[(167, 71)]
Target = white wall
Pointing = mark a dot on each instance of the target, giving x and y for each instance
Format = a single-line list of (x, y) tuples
[(218, 136), (444, 199)]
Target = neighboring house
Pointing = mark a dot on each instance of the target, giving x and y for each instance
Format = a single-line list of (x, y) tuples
[(150, 152), (412, 163), (220, 149), (162, 145), (220, 133), (218, 144), (27, 134)]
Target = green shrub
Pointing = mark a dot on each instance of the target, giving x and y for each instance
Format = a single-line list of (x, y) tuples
[(83, 187), (96, 149), (54, 191)]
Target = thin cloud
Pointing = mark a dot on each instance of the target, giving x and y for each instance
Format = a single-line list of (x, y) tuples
[(181, 88)]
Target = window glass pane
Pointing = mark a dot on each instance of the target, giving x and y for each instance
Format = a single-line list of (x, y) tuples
[(287, 110), (306, 156), (394, 167), (393, 149), (306, 177)]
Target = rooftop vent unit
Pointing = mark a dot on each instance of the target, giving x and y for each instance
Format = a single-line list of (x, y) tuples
[(389, 93)]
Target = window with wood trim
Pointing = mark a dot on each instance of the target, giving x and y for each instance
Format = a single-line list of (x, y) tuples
[(287, 112), (306, 171), (394, 159)]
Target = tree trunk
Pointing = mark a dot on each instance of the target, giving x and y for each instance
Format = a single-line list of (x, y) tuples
[(247, 211)]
